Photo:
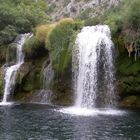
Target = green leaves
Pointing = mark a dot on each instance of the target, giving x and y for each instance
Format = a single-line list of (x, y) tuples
[(20, 16)]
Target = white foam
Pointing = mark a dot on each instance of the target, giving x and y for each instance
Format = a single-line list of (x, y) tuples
[(6, 103), (91, 112)]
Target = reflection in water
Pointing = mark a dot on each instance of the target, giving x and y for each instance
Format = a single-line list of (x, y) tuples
[(6, 120), (78, 127), (41, 122)]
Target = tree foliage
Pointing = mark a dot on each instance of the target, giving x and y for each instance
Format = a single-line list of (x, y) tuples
[(18, 16)]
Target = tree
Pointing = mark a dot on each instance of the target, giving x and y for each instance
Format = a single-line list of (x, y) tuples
[(18, 16)]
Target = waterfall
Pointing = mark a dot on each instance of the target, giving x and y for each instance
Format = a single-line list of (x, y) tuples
[(94, 70), (11, 71), (47, 76), (44, 95)]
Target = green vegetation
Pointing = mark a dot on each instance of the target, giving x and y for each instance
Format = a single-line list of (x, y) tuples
[(126, 15), (58, 39), (125, 20), (43, 31), (18, 16), (32, 46), (60, 42), (55, 42), (37, 42)]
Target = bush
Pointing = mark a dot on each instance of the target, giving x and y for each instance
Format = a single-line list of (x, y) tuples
[(18, 16), (43, 31), (125, 15), (7, 34), (124, 20), (133, 14)]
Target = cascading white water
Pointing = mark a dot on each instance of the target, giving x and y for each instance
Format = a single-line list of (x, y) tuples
[(11, 71), (44, 96), (48, 74), (93, 67), (94, 73)]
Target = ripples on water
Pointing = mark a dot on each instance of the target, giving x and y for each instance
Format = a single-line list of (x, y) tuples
[(41, 122)]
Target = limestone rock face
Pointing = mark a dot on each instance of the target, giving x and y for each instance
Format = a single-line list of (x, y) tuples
[(79, 8)]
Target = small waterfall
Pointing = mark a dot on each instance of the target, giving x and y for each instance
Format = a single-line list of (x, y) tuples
[(94, 70), (48, 74), (44, 95), (11, 71)]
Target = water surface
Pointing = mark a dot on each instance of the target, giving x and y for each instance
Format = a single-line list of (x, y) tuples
[(41, 122)]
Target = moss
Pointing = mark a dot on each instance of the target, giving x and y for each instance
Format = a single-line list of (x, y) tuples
[(58, 37), (121, 44), (128, 79), (128, 66), (3, 50), (28, 79), (62, 93), (131, 101), (24, 96), (1, 80), (31, 81), (28, 87), (60, 43)]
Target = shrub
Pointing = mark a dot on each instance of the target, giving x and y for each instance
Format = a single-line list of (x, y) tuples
[(43, 31), (132, 14), (18, 16), (125, 15)]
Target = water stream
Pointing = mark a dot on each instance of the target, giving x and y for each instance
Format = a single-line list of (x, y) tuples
[(94, 72), (44, 95), (11, 71), (41, 122)]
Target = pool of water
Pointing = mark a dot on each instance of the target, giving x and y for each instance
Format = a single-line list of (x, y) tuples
[(42, 122)]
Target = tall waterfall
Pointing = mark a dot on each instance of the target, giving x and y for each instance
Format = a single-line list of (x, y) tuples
[(11, 71), (93, 67), (94, 73)]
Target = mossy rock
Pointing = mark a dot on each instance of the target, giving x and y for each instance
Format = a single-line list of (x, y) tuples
[(128, 79), (60, 43), (62, 93), (32, 80), (34, 49), (1, 81), (128, 66), (3, 51), (131, 101), (29, 76)]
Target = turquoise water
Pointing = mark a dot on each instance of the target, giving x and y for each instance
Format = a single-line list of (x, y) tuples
[(42, 122)]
